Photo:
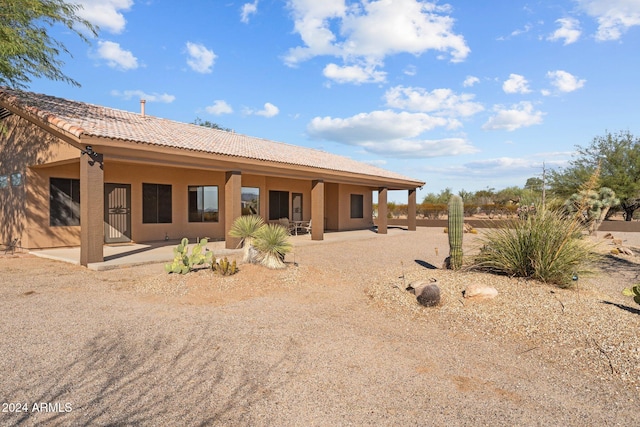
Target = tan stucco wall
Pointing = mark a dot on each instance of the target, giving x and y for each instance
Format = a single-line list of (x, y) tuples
[(331, 203), (23, 144), (345, 222), (179, 179), (292, 186), (39, 234)]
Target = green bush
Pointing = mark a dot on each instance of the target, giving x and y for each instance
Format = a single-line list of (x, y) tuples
[(549, 247)]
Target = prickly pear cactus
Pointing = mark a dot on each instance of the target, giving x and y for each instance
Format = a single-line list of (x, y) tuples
[(183, 262), (455, 231), (634, 292), (199, 254)]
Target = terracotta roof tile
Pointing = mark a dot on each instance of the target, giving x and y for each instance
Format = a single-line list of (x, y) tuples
[(79, 118)]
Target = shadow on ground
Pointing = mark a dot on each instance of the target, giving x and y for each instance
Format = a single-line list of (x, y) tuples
[(622, 307), (116, 380)]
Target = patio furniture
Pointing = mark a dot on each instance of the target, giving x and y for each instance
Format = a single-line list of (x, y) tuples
[(303, 226), (291, 227)]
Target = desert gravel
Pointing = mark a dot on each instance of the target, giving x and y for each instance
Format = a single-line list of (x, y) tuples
[(334, 339)]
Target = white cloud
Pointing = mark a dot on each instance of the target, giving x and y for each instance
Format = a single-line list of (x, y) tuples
[(149, 97), (410, 70), (353, 74), (200, 59), (569, 31), (269, 110), (116, 57), (517, 32), (248, 9), (470, 81), (389, 133), (368, 31), (105, 13), (442, 102), (565, 82), (512, 168), (219, 107), (519, 115), (516, 84), (614, 16)]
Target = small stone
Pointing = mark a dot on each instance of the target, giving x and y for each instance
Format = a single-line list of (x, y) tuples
[(417, 286), (430, 296), (480, 291), (608, 236)]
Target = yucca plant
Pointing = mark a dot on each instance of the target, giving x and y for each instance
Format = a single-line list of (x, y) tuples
[(549, 247), (272, 241), (245, 227)]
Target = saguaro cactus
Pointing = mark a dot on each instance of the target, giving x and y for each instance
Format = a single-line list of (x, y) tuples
[(455, 231)]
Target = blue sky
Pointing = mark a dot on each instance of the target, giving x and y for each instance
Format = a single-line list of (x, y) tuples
[(460, 94)]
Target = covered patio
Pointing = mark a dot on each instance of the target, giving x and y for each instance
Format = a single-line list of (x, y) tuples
[(134, 254)]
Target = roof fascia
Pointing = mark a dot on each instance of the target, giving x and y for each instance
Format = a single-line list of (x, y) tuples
[(65, 136), (136, 152)]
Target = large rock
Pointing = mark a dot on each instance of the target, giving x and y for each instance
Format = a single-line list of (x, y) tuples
[(430, 296), (477, 291)]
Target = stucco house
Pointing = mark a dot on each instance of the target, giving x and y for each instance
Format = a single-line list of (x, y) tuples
[(73, 173)]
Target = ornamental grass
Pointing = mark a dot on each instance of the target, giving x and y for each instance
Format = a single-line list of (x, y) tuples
[(551, 247)]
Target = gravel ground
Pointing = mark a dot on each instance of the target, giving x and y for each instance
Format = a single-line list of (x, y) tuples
[(331, 340)]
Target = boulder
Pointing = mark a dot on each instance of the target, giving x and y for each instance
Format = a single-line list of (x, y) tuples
[(480, 291), (430, 296)]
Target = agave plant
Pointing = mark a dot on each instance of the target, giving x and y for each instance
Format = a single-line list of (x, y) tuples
[(272, 241), (245, 228)]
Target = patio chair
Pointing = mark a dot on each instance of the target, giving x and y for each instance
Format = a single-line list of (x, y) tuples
[(291, 227), (305, 227)]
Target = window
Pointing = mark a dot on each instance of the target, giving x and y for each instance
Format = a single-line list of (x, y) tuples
[(156, 204), (278, 205), (357, 206), (250, 198), (64, 202), (4, 181), (16, 179), (203, 203)]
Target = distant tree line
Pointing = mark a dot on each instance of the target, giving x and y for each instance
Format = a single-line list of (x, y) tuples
[(617, 155)]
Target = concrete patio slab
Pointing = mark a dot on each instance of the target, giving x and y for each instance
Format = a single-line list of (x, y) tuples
[(131, 254)]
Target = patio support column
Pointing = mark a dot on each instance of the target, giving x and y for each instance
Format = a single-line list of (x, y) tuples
[(382, 210), (91, 208), (232, 206), (317, 210), (411, 214)]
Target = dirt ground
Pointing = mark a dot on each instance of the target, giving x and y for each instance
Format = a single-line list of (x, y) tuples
[(334, 339)]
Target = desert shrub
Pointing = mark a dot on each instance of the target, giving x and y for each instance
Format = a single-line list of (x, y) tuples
[(245, 228), (550, 247), (272, 241)]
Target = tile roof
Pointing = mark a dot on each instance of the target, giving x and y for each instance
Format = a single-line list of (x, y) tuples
[(82, 119)]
